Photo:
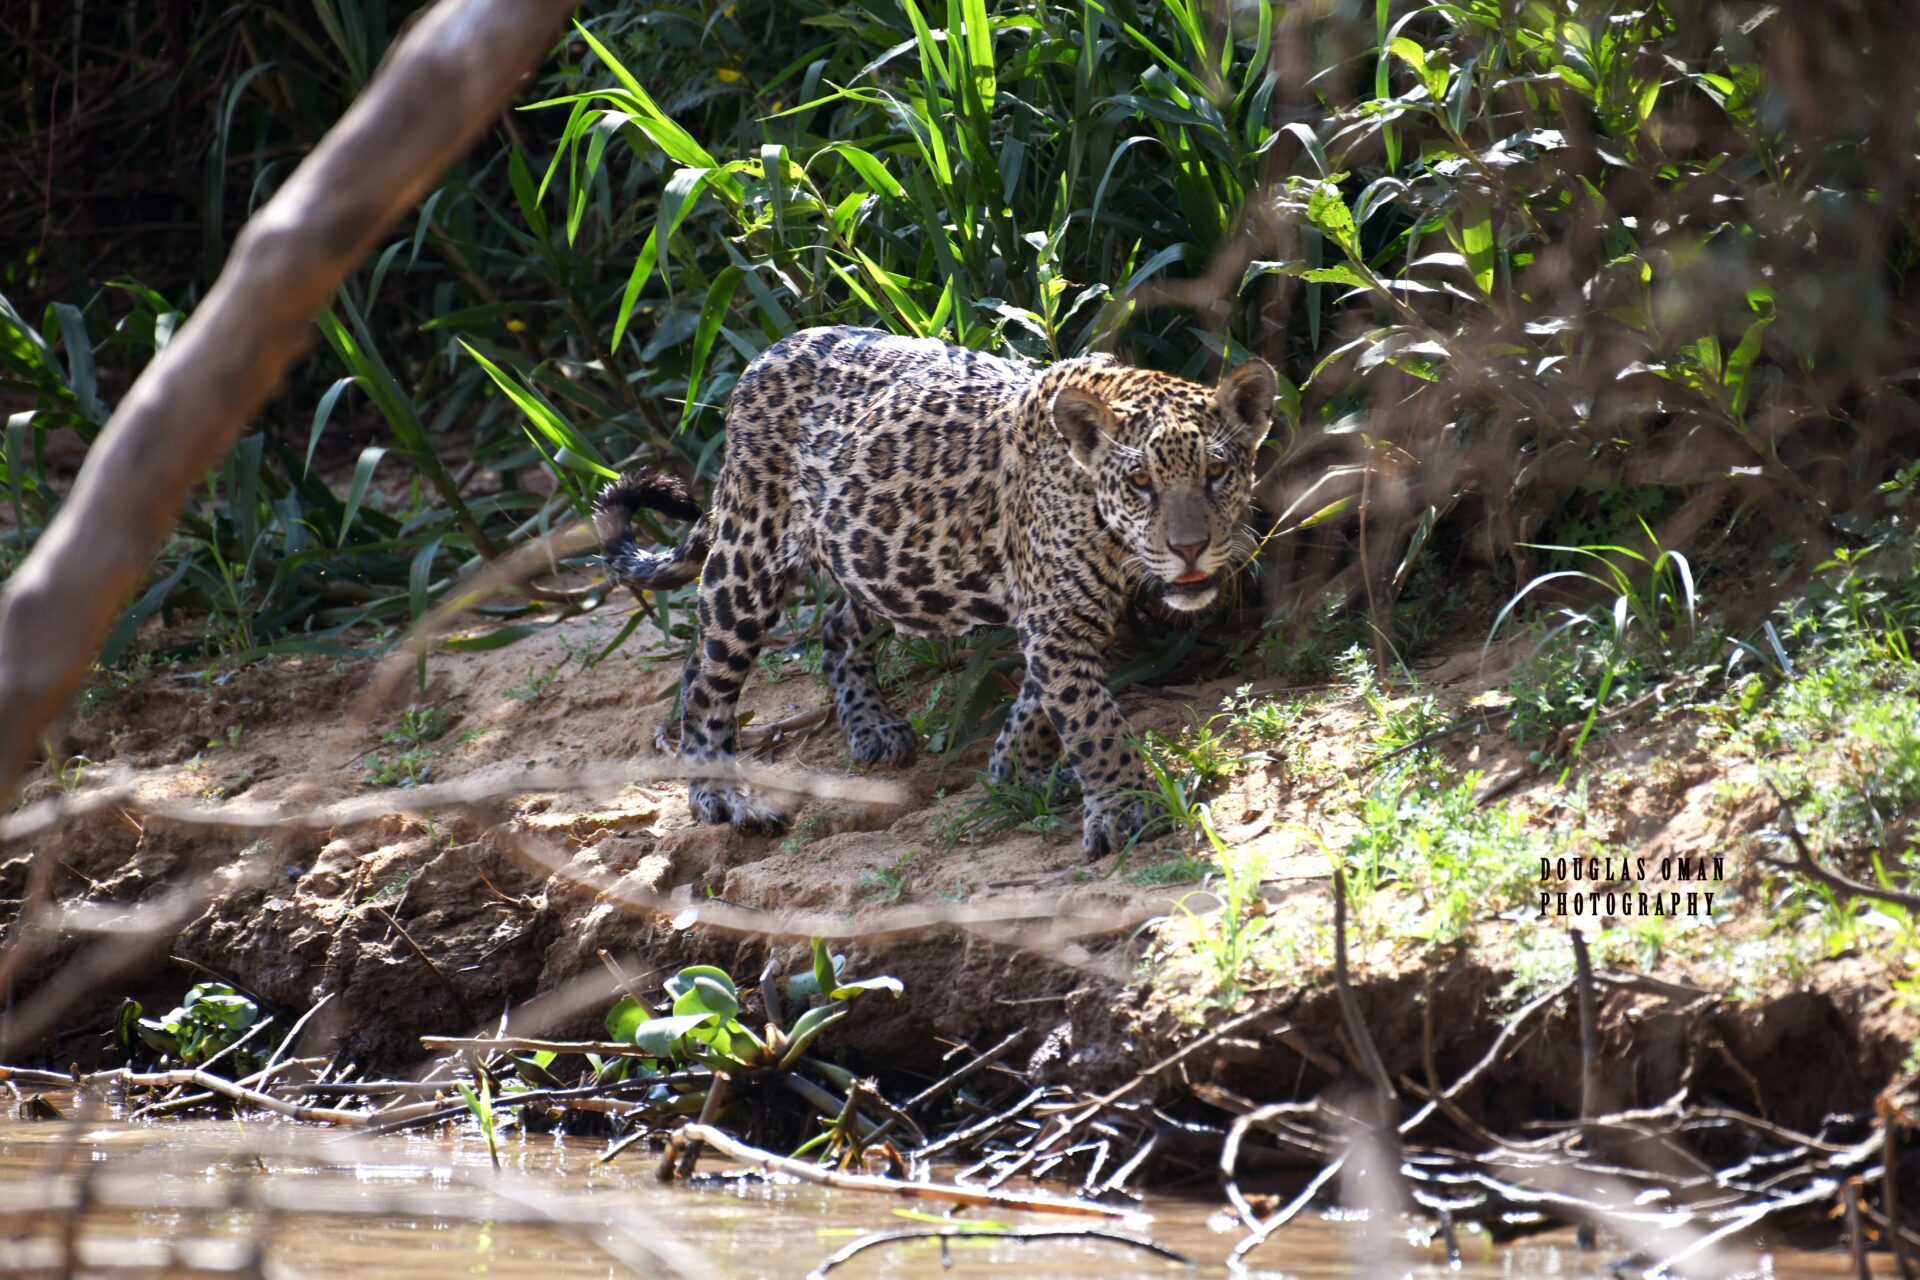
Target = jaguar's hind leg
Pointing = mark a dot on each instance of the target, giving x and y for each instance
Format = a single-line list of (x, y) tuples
[(741, 593), (875, 733)]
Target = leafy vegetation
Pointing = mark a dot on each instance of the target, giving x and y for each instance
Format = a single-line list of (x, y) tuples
[(209, 1020), (1531, 271)]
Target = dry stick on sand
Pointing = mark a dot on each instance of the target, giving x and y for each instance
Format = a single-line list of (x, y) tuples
[(947, 1192), (439, 89), (1023, 1235)]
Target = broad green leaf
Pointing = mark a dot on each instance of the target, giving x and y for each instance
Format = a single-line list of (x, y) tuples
[(1329, 213), (659, 1036), (682, 982), (852, 989), (624, 1019), (807, 1029)]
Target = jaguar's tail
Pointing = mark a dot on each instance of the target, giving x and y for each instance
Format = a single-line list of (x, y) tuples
[(613, 521)]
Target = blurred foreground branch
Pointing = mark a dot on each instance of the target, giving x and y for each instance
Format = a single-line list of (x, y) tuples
[(440, 88)]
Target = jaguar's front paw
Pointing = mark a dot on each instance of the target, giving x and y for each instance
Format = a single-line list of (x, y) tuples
[(741, 807), (1112, 824), (882, 742)]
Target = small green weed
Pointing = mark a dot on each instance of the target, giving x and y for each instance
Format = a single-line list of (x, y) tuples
[(390, 890), (538, 682), (419, 725), (1184, 868), (408, 768), (1044, 808), (1449, 862), (805, 832), (1650, 627), (888, 883), (1265, 723), (1183, 771), (1226, 938)]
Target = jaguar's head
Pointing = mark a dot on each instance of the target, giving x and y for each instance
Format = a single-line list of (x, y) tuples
[(1172, 465)]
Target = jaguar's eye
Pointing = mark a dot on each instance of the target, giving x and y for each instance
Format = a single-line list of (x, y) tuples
[(1141, 479), (1216, 469)]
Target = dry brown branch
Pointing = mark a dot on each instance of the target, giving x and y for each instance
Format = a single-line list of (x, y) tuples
[(1230, 1152), (949, 1193), (439, 975), (36, 1078), (228, 1089), (1021, 1234), (439, 89), (690, 1150), (939, 1087), (1587, 1009), (1856, 1231), (1805, 864), (1236, 1260), (258, 1078), (1494, 1054), (1891, 1123)]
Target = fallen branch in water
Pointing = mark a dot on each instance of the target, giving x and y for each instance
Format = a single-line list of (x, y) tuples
[(947, 1192), (1024, 1235), (1085, 1113), (228, 1089)]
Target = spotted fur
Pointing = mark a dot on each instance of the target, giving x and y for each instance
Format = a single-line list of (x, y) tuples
[(944, 489)]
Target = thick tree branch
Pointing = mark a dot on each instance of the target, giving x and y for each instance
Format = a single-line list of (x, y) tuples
[(437, 91)]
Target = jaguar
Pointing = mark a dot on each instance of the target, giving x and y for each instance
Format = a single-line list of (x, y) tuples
[(944, 489)]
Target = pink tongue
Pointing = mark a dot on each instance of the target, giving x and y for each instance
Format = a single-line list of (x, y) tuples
[(1191, 576)]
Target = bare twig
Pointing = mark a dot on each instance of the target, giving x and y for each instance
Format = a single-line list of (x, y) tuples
[(468, 794), (690, 1151), (1856, 1232), (1020, 1234), (228, 1089), (1805, 864), (950, 1193)]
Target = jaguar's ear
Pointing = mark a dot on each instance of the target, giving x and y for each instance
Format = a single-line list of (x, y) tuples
[(1085, 421), (1245, 399)]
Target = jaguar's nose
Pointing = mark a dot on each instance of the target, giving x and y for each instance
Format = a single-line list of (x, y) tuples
[(1189, 551)]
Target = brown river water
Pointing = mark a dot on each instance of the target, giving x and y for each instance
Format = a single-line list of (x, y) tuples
[(168, 1196)]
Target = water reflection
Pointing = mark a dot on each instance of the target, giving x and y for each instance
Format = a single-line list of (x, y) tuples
[(181, 1195)]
